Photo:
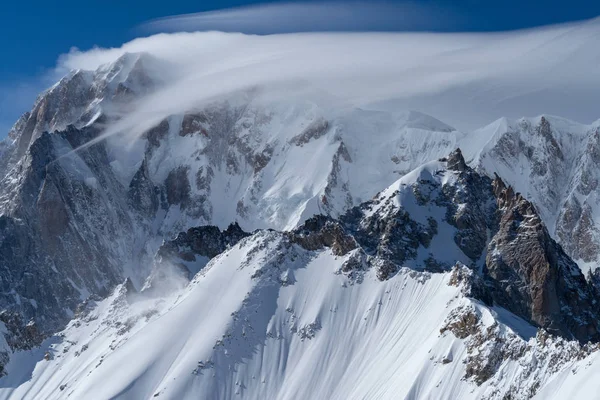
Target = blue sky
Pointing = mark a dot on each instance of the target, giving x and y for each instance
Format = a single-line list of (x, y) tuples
[(35, 32)]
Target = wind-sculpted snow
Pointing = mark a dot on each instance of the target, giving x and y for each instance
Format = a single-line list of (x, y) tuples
[(235, 160), (359, 307), (80, 215), (267, 317), (466, 80)]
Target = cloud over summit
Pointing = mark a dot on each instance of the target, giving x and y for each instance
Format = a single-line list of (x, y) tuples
[(466, 80)]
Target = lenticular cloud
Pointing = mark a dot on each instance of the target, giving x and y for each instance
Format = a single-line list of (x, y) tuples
[(464, 79), (312, 17)]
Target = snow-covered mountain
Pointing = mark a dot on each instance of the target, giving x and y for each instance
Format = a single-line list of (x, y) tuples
[(319, 301), (78, 222), (270, 247), (553, 162), (413, 335)]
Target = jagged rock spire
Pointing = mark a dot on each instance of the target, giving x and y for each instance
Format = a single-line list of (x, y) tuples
[(456, 161)]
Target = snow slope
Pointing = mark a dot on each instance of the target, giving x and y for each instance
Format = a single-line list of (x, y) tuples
[(268, 319), (578, 381)]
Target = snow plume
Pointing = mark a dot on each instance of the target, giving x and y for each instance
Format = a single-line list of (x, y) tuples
[(465, 80), (165, 278)]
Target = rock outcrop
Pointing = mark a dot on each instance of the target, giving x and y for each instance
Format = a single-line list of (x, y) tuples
[(178, 260), (533, 275), (514, 261)]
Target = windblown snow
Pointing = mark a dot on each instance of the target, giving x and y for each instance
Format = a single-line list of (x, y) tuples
[(269, 320)]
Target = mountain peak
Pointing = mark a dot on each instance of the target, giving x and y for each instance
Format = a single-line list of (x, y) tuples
[(456, 161)]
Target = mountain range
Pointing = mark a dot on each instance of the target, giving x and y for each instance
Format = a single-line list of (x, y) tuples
[(261, 247)]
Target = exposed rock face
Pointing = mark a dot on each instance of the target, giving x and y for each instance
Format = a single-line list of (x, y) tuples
[(21, 336), (207, 241), (79, 97), (470, 207), (178, 187), (397, 234), (397, 237), (456, 161), (489, 347), (178, 260), (238, 150), (337, 192), (77, 223), (57, 231), (62, 208), (472, 283), (155, 135), (522, 268), (143, 195), (315, 130), (553, 162), (193, 124), (18, 335), (66, 230), (536, 278), (319, 232)]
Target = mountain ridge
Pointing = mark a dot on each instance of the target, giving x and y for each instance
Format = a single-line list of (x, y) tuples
[(363, 199)]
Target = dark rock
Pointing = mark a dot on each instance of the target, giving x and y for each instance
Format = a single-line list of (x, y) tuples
[(384, 269), (142, 193), (315, 130), (205, 241), (156, 134), (319, 232), (178, 187), (464, 325), (471, 284), (20, 336), (544, 129), (204, 177), (456, 161), (532, 275), (192, 124)]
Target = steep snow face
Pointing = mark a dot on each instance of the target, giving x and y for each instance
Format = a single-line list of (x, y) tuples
[(552, 162), (255, 323), (276, 162), (274, 165), (578, 381), (364, 301), (79, 214), (268, 319)]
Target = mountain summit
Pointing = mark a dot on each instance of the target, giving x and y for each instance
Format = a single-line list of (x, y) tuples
[(255, 246)]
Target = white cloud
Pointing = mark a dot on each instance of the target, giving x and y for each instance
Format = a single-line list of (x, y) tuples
[(466, 80), (313, 17)]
